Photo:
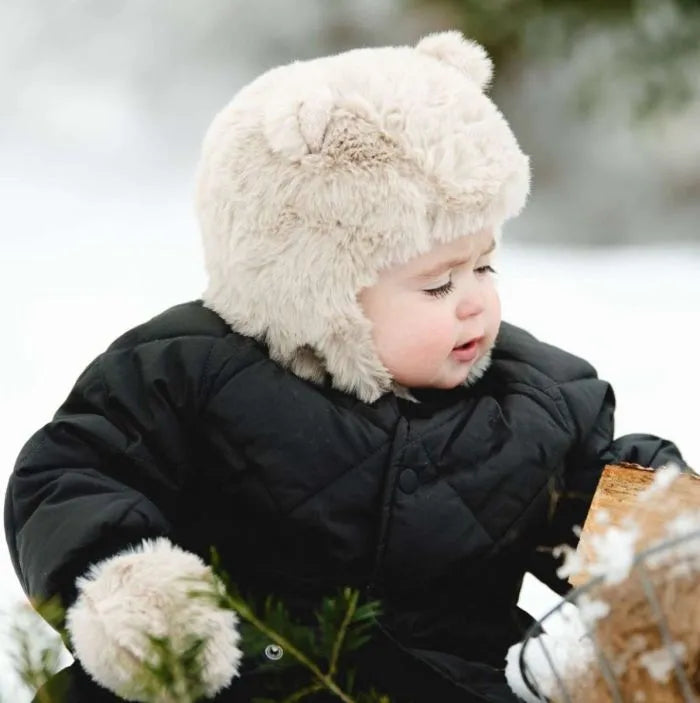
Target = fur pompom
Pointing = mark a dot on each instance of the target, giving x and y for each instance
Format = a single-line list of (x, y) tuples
[(466, 55), (147, 591)]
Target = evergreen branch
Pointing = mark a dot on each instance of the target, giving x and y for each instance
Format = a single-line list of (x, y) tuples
[(248, 615), (228, 596), (337, 645), (313, 688), (175, 674), (36, 653)]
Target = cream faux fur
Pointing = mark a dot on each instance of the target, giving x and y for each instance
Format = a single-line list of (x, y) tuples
[(148, 591), (468, 56), (319, 174)]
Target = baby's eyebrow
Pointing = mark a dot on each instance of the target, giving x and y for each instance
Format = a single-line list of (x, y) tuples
[(441, 268), (451, 263)]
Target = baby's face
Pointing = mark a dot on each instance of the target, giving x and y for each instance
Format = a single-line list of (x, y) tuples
[(423, 310)]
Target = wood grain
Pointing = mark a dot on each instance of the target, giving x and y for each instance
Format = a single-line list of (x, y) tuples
[(617, 496)]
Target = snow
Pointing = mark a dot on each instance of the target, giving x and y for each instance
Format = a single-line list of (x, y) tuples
[(663, 478), (89, 252), (683, 558), (659, 662), (592, 609), (564, 653), (614, 550), (564, 649)]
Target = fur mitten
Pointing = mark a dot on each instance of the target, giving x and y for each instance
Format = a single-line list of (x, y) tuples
[(147, 591)]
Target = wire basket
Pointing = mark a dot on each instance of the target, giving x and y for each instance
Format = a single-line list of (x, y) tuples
[(651, 573)]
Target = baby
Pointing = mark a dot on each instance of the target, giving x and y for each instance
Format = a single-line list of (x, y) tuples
[(343, 408)]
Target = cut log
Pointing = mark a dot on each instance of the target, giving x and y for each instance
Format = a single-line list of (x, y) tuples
[(616, 500)]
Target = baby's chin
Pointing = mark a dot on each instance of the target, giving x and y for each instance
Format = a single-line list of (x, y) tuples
[(449, 378), (450, 375), (474, 372)]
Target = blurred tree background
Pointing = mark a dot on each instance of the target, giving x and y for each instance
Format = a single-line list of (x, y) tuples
[(605, 97), (603, 94), (648, 50)]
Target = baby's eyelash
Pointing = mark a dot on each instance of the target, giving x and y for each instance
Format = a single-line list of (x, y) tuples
[(440, 292)]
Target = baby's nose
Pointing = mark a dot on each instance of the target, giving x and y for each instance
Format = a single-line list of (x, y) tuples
[(469, 306)]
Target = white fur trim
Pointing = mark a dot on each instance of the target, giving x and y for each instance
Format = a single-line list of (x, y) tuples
[(480, 367), (319, 174), (296, 127), (147, 591), (464, 54)]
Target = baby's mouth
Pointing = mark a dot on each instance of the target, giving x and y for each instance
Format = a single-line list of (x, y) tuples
[(468, 345), (467, 351)]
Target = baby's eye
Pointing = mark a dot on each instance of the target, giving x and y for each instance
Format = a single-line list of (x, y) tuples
[(485, 269), (440, 292)]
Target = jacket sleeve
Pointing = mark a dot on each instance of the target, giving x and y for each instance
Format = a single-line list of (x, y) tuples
[(106, 472), (591, 404)]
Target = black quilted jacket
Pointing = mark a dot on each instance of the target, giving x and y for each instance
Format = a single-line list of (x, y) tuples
[(185, 429)]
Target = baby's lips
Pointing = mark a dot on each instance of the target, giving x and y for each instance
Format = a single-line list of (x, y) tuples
[(473, 340)]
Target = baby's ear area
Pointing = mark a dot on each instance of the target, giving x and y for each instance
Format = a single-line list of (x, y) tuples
[(454, 49), (294, 125)]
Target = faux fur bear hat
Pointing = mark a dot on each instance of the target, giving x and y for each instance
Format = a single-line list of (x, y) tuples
[(320, 173)]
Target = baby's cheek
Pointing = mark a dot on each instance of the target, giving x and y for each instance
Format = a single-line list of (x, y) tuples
[(494, 314), (431, 339)]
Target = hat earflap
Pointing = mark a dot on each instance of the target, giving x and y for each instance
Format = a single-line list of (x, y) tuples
[(452, 48)]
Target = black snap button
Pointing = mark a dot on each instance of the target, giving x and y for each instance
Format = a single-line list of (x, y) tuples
[(408, 481)]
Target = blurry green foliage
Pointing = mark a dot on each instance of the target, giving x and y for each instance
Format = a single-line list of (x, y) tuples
[(652, 46), (34, 650)]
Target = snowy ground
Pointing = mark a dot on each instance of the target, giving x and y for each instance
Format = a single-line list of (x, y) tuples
[(82, 265)]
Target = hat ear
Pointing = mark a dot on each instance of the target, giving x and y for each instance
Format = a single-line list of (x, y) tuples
[(466, 55), (295, 126)]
